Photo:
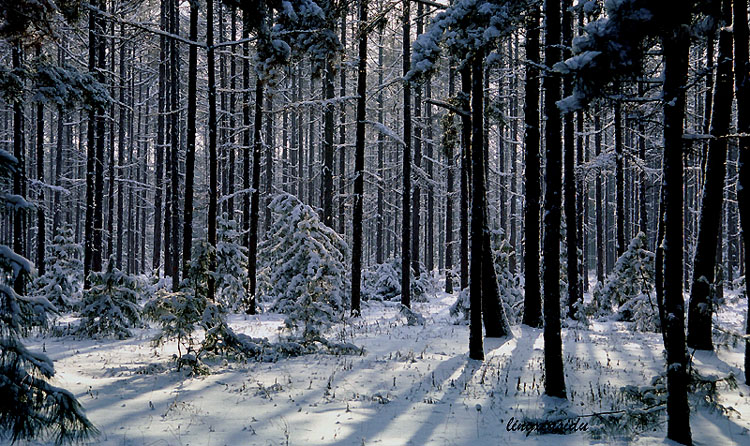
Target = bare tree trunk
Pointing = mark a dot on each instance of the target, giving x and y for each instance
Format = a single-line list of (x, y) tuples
[(553, 361), (359, 160), (187, 230), (701, 302), (532, 312), (212, 161), (406, 209)]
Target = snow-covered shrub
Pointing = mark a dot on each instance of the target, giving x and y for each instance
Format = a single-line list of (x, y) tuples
[(629, 288), (383, 282), (508, 285), (30, 407), (110, 306), (62, 283), (302, 268), (510, 293), (231, 265)]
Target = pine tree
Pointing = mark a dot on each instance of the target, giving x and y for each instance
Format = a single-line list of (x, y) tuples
[(110, 306), (302, 268), (30, 407), (231, 265), (62, 283)]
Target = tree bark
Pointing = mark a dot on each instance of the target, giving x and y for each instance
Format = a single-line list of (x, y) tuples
[(406, 209), (553, 361), (212, 162), (532, 306), (359, 160), (187, 229), (701, 302)]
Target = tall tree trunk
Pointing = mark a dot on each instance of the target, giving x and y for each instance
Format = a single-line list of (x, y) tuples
[(483, 277), (255, 197), (174, 66), (406, 196), (342, 130), (742, 86), (249, 305), (476, 343), (417, 143), (270, 149), (327, 192), (160, 145), (212, 161), (571, 215), (701, 302), (19, 245), (121, 150), (359, 160), (532, 305), (676, 45), (380, 252), (465, 172), (598, 198), (187, 230), (619, 182), (41, 236), (553, 361), (449, 155), (232, 122)]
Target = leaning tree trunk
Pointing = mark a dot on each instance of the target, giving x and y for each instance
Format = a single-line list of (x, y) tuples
[(700, 306), (553, 361), (676, 45), (532, 305)]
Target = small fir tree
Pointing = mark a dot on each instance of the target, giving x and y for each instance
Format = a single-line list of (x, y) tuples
[(231, 266), (302, 268), (30, 407), (629, 289), (62, 283), (110, 306)]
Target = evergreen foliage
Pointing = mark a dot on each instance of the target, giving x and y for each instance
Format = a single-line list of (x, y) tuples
[(383, 282), (231, 265), (30, 408), (110, 306), (629, 288), (302, 268), (62, 282)]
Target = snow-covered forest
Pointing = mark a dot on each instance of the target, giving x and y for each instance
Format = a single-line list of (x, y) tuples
[(374, 222)]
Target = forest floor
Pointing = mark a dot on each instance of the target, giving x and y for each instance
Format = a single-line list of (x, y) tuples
[(415, 385)]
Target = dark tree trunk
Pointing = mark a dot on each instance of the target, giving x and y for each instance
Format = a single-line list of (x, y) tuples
[(255, 197), (342, 137), (328, 79), (121, 151), (359, 160), (476, 343), (249, 305), (212, 161), (232, 122), (532, 306), (379, 256), (553, 361), (187, 230), (619, 182), (571, 215), (598, 198), (41, 235), (449, 155), (465, 172), (701, 302), (417, 143), (174, 85), (676, 44), (160, 145), (406, 196), (269, 158), (742, 86), (19, 245)]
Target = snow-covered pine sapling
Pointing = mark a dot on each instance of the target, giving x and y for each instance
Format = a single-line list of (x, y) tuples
[(303, 271), (231, 265), (31, 408), (62, 282), (510, 294), (629, 289), (383, 282), (110, 306)]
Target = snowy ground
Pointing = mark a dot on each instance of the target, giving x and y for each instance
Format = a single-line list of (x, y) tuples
[(414, 386)]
